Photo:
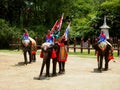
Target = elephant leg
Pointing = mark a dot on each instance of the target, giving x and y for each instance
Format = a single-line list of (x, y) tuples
[(33, 57), (63, 67), (47, 68), (30, 56), (100, 61), (106, 63), (60, 67), (54, 67), (25, 56), (41, 71)]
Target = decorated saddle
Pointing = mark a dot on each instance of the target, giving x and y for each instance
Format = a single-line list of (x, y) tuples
[(44, 47), (33, 46), (62, 57), (25, 42), (46, 44), (102, 45)]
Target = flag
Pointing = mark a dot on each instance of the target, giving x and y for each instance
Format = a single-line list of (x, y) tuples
[(60, 22), (55, 25), (66, 34)]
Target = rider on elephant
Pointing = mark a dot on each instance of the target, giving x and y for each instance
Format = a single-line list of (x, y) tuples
[(25, 38), (49, 37), (49, 42), (26, 46), (102, 38), (56, 34)]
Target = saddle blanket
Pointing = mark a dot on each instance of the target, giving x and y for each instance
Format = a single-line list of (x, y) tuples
[(102, 45), (62, 57), (34, 46)]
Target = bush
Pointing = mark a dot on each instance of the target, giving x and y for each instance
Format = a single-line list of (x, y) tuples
[(6, 33)]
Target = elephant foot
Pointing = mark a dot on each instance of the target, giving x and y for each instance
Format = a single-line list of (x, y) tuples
[(105, 69), (60, 72), (99, 70), (34, 60), (47, 75), (39, 77), (29, 62), (54, 74), (63, 71), (25, 63)]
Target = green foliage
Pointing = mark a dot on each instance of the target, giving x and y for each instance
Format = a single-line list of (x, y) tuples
[(83, 13), (38, 31), (86, 16), (110, 9), (6, 33)]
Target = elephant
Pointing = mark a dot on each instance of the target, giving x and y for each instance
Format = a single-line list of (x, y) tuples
[(103, 50), (58, 53), (47, 51), (30, 47)]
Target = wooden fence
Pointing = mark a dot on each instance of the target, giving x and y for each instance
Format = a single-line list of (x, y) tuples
[(83, 45)]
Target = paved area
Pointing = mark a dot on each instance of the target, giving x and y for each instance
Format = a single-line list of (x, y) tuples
[(80, 74)]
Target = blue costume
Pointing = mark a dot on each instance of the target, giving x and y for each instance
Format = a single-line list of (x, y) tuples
[(102, 38), (25, 36), (49, 38)]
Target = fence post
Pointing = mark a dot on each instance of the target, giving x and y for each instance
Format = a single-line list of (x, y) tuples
[(74, 44), (13, 41), (81, 43), (96, 43), (18, 43), (36, 39), (68, 45), (118, 47), (88, 45)]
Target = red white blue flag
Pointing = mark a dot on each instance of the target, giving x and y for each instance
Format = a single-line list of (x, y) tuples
[(55, 25), (66, 34), (60, 22)]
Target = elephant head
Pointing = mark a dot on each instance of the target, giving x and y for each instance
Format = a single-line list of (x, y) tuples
[(47, 50)]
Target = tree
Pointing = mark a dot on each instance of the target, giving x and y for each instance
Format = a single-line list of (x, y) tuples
[(6, 33), (111, 10)]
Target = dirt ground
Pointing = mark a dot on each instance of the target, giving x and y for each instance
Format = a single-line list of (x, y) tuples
[(79, 75)]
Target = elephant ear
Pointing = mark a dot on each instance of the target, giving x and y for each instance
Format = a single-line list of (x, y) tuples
[(95, 46)]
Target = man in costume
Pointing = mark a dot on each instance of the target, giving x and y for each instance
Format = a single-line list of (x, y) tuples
[(25, 38), (49, 37), (102, 37), (26, 46), (56, 33)]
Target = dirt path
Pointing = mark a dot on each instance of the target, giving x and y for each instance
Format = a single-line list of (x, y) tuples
[(79, 75)]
